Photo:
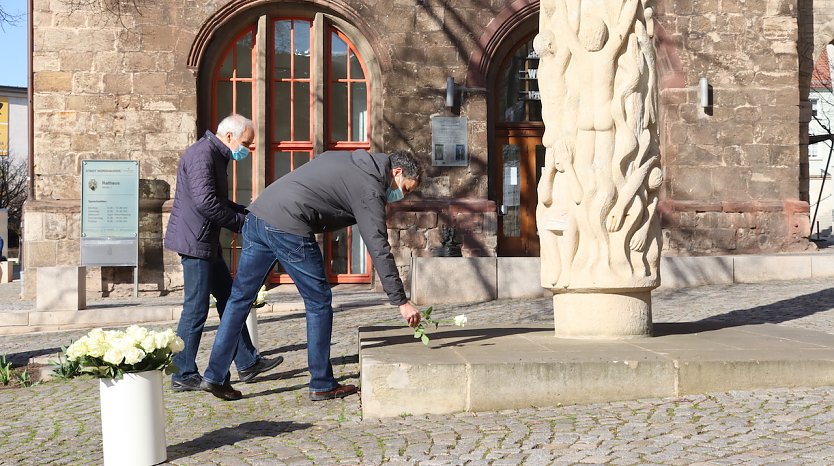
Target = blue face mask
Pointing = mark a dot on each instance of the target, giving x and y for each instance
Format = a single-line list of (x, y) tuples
[(240, 153), (394, 195)]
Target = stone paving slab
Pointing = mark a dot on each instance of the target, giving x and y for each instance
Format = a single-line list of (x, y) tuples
[(276, 424)]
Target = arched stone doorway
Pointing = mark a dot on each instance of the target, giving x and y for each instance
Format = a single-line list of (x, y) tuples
[(310, 80), (506, 64)]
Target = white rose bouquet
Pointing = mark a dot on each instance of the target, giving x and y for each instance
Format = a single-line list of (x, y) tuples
[(112, 353)]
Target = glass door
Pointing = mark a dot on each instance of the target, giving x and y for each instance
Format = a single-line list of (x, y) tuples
[(296, 62), (519, 153)]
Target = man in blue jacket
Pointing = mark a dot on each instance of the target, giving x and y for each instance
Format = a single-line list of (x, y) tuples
[(334, 190), (201, 208)]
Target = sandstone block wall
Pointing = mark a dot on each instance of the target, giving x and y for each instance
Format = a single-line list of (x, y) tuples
[(103, 91), (733, 170)]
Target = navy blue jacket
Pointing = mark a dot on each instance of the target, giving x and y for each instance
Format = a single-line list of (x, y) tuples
[(335, 190), (201, 202)]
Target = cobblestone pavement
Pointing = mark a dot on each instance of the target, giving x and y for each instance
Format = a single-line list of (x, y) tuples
[(57, 422)]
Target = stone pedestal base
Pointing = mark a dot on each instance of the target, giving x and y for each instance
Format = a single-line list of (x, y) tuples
[(61, 288), (603, 314), (6, 272)]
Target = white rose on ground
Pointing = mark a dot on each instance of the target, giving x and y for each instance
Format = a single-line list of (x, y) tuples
[(461, 320)]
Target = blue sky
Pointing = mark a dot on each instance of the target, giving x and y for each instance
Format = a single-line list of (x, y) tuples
[(13, 46)]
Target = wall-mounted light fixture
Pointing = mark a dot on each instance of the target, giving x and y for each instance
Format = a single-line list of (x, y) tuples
[(450, 92), (703, 93)]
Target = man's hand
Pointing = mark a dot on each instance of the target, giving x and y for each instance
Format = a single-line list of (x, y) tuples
[(410, 314)]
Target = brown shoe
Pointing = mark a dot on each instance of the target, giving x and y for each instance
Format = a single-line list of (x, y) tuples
[(340, 391), (224, 392)]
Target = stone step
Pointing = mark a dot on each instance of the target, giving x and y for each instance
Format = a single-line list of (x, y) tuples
[(102, 315), (512, 367), (479, 279)]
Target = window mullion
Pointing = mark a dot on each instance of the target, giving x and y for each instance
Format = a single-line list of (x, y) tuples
[(260, 108), (318, 76)]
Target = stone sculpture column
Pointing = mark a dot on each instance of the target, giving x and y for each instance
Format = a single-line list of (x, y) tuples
[(596, 214)]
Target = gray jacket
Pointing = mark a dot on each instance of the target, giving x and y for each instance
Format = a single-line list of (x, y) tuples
[(335, 190)]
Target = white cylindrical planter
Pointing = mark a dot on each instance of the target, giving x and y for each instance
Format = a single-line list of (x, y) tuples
[(252, 326), (133, 419)]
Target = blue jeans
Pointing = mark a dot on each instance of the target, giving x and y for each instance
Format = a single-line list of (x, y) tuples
[(202, 277), (300, 256)]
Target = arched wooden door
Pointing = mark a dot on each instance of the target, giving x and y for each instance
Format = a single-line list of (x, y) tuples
[(518, 149)]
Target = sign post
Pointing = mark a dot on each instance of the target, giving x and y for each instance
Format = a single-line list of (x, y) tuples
[(110, 215)]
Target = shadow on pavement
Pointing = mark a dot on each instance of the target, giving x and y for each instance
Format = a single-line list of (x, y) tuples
[(296, 387), (22, 358), (775, 313), (456, 336), (231, 435)]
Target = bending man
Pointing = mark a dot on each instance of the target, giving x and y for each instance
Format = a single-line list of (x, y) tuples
[(334, 190)]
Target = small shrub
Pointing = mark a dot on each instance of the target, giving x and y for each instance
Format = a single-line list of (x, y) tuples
[(63, 368), (5, 370), (24, 379)]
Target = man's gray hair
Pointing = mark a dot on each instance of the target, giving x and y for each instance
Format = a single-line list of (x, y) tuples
[(412, 169), (235, 124)]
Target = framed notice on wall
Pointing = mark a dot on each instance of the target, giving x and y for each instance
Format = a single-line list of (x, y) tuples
[(449, 141), (109, 212)]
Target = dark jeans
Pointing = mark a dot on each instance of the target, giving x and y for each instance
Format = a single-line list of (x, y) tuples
[(202, 277), (301, 258)]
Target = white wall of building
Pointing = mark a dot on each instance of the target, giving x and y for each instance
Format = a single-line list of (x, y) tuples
[(18, 122), (822, 122)]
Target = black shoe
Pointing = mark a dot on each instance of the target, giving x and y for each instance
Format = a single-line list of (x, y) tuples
[(224, 392), (187, 385), (340, 391), (263, 365)]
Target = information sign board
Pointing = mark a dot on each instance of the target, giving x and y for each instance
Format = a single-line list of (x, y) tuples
[(449, 141), (109, 212)]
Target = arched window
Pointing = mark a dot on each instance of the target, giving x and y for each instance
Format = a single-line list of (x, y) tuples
[(307, 92), (519, 99)]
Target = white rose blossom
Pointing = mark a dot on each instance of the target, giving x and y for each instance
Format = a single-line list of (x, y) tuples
[(114, 356), (176, 345), (460, 320)]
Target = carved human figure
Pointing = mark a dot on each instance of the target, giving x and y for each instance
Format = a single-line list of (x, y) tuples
[(598, 97), (556, 221)]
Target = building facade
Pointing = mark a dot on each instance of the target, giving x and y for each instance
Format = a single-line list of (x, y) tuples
[(348, 74), (821, 100), (14, 150)]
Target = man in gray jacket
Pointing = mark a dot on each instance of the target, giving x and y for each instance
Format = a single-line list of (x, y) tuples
[(201, 208), (334, 190)]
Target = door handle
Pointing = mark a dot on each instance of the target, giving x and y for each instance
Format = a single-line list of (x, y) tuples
[(502, 209)]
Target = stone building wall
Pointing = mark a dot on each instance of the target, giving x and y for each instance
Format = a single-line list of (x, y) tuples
[(104, 91), (732, 172), (108, 91)]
